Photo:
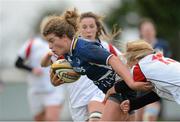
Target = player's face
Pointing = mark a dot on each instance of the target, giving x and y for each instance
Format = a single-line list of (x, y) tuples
[(59, 46), (88, 28), (147, 31)]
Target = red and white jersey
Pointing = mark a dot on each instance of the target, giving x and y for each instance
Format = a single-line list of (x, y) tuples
[(32, 52), (163, 73), (114, 51)]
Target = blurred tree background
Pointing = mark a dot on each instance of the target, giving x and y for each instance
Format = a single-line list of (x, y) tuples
[(164, 13)]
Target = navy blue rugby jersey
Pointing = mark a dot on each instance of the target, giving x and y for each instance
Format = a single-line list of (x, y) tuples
[(162, 45), (90, 58)]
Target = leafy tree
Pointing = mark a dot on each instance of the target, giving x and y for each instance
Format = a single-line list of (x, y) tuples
[(164, 13)]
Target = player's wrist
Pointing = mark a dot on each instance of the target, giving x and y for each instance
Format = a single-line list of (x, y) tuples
[(49, 54)]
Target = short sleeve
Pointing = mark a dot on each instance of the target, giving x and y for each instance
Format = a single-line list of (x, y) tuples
[(137, 74), (25, 49), (117, 51)]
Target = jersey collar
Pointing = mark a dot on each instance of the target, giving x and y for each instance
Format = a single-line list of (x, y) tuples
[(73, 44)]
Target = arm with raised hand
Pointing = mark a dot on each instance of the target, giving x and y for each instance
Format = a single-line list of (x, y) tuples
[(124, 72)]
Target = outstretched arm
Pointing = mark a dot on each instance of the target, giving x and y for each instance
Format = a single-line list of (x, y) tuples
[(138, 102), (20, 64), (123, 72), (133, 103)]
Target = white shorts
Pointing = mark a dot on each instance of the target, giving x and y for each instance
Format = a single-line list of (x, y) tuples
[(98, 96), (81, 113), (38, 101)]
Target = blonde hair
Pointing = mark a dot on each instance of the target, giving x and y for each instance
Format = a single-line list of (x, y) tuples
[(66, 24), (136, 50)]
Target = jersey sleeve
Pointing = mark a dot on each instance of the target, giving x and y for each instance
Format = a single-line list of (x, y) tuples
[(112, 49), (25, 50), (95, 54), (137, 74), (120, 55), (117, 51)]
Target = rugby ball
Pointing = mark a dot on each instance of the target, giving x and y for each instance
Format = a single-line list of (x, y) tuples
[(65, 71)]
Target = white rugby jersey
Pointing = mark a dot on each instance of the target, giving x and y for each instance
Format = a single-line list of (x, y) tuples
[(33, 51), (164, 73)]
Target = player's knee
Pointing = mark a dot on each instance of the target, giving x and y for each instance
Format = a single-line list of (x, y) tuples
[(95, 116), (39, 117)]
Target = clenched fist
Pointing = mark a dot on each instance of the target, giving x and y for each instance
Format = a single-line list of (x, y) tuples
[(55, 79)]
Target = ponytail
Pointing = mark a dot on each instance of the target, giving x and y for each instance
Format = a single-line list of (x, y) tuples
[(72, 18), (67, 24)]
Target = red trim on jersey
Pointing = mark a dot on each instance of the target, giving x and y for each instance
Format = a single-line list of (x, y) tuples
[(112, 50), (61, 57), (160, 57), (28, 49), (137, 74)]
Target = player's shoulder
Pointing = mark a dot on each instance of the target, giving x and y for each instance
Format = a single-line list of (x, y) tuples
[(39, 41), (85, 43), (145, 59), (162, 42), (85, 47), (83, 40), (105, 45)]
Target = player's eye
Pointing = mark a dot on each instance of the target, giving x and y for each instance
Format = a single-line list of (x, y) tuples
[(84, 26), (92, 26)]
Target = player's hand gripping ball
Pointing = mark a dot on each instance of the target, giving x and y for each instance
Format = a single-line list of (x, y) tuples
[(64, 71)]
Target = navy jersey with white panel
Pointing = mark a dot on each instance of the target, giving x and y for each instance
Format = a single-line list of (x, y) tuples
[(91, 59)]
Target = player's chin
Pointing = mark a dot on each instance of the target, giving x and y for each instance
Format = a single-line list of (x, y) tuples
[(57, 53), (62, 52)]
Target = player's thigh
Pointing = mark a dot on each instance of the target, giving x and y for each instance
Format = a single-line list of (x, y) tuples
[(139, 114), (52, 112), (113, 112), (95, 104), (132, 117), (53, 103)]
